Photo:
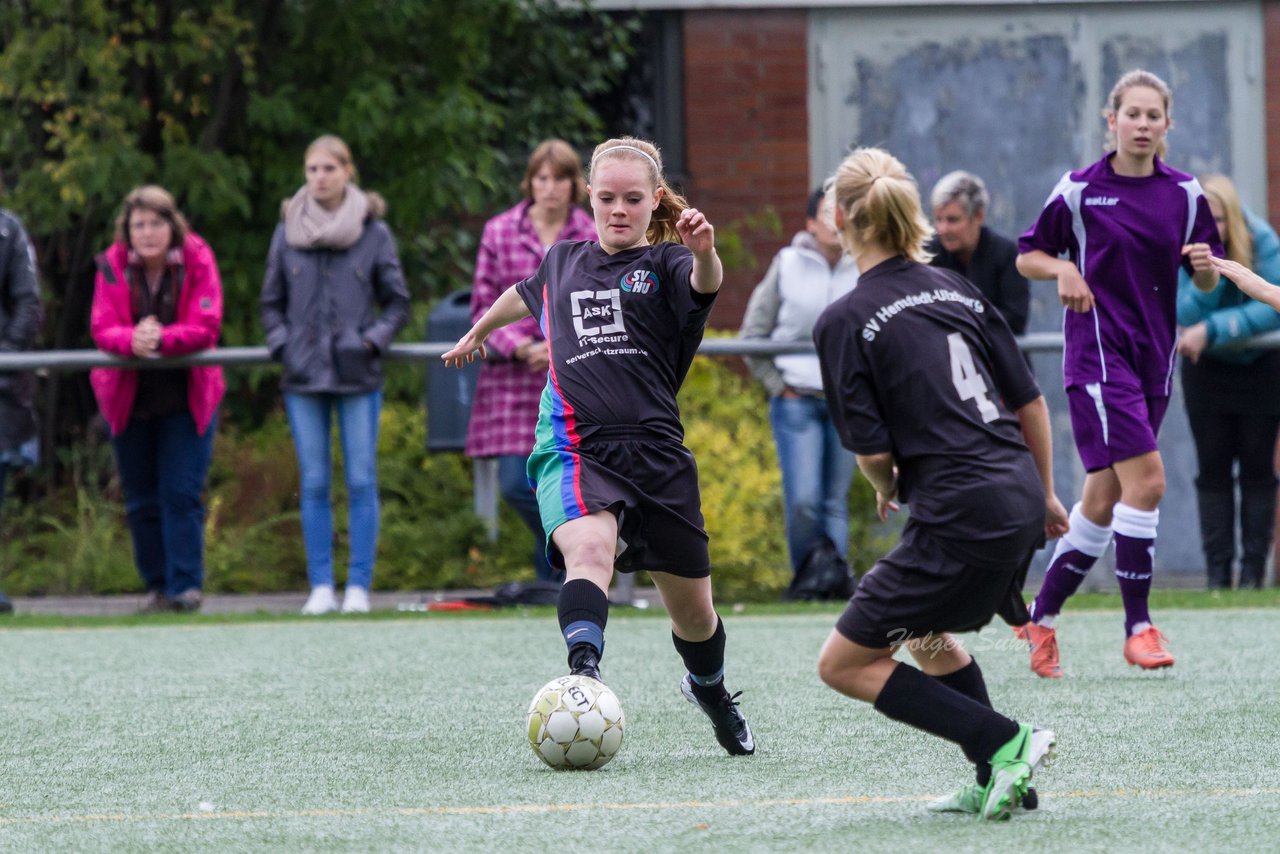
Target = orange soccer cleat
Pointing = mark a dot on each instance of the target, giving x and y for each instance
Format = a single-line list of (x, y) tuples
[(1146, 649), (1043, 643)]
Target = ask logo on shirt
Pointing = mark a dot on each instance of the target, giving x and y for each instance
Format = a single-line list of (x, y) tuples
[(597, 313)]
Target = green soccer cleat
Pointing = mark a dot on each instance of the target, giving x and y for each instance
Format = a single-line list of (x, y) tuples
[(967, 799), (1012, 767)]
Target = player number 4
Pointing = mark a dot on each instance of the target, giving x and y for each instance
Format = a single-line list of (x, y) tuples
[(968, 382)]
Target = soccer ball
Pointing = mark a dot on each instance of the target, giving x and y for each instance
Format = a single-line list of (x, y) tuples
[(575, 722)]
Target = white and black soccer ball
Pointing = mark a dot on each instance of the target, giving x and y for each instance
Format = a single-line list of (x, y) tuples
[(575, 722)]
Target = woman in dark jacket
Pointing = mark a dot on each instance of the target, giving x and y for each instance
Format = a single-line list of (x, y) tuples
[(333, 298), (19, 323)]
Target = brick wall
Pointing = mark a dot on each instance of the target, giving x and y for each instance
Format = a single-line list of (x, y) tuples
[(747, 130)]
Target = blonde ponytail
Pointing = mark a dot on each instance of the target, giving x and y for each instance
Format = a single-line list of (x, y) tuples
[(881, 205)]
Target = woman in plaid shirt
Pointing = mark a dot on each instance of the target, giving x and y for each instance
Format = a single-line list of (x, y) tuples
[(511, 382)]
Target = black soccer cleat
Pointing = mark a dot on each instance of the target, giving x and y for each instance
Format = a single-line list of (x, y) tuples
[(585, 661), (731, 728)]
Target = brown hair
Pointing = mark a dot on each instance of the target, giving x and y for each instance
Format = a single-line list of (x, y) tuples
[(881, 204), (1132, 80), (1238, 241), (564, 163), (156, 199), (662, 226)]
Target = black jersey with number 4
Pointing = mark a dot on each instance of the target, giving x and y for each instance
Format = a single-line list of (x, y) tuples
[(622, 331), (916, 363)]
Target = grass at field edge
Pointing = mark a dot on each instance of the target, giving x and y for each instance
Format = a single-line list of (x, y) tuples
[(1160, 599)]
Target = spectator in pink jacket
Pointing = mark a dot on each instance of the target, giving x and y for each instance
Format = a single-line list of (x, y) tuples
[(514, 243), (158, 294)]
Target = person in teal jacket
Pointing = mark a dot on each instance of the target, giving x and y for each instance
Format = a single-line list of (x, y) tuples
[(1229, 393)]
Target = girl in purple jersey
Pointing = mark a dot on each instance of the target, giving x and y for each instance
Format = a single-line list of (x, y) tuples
[(625, 494), (1126, 223)]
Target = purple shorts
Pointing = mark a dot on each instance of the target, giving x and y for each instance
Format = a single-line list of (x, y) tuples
[(1112, 422)]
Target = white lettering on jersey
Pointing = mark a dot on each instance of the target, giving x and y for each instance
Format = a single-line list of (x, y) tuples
[(602, 306)]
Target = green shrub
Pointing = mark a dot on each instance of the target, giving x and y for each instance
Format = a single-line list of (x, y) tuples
[(75, 540)]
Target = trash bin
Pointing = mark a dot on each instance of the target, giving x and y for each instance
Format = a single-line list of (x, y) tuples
[(450, 391)]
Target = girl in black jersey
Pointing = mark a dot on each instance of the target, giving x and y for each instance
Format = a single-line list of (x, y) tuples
[(927, 387), (615, 484)]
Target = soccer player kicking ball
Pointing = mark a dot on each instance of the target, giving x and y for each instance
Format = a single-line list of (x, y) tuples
[(1126, 222), (926, 386), (616, 487)]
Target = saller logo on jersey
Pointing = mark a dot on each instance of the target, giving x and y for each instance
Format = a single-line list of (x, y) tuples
[(640, 282)]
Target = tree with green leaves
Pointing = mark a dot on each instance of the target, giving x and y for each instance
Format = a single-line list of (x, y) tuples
[(216, 100)]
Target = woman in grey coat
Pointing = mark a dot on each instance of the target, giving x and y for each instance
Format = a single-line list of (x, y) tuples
[(333, 298)]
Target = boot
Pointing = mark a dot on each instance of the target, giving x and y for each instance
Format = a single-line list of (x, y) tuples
[(1257, 531), (1218, 536)]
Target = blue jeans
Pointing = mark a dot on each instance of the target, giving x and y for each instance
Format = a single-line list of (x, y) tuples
[(816, 473), (513, 483), (310, 416), (163, 463)]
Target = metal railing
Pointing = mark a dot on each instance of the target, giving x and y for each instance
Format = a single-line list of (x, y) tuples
[(78, 360)]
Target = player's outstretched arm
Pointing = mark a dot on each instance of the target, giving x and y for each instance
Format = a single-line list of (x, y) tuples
[(507, 308), (1036, 432), (1248, 281), (1073, 291), (697, 233), (880, 470)]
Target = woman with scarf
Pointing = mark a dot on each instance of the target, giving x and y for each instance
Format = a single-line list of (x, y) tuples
[(333, 298)]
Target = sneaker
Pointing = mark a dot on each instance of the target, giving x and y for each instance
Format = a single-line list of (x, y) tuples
[(1146, 649), (321, 601), (188, 601), (585, 661), (730, 726), (1012, 767), (355, 601), (155, 602), (1043, 644), (967, 799)]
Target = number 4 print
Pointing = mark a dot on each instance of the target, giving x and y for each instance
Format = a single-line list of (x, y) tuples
[(968, 382)]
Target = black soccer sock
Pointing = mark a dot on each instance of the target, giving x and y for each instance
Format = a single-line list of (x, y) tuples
[(705, 662), (584, 611), (925, 703), (968, 681)]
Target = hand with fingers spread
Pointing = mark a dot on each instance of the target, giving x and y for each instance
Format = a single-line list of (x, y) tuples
[(1249, 282), (465, 351)]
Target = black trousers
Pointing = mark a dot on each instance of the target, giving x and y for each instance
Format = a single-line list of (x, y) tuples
[(1227, 441)]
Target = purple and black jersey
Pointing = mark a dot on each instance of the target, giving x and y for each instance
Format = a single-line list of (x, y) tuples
[(917, 363), (622, 330), (1126, 237)]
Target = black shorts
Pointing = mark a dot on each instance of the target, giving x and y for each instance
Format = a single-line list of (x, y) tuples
[(652, 487), (928, 584)]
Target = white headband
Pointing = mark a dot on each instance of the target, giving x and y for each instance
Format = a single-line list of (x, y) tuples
[(656, 169)]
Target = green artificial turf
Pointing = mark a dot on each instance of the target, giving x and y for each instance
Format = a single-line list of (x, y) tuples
[(408, 734)]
